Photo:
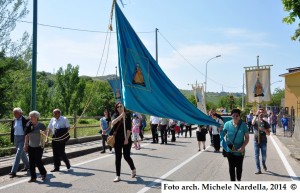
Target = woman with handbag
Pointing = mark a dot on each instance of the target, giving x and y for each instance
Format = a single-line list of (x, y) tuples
[(237, 137), (121, 129), (34, 145)]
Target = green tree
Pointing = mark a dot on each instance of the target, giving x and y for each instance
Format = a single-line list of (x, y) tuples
[(192, 99), (210, 105), (78, 97), (44, 94), (276, 97), (14, 75), (66, 87), (10, 12), (101, 96), (293, 7)]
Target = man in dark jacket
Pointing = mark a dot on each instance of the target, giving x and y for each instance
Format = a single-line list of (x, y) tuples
[(18, 139)]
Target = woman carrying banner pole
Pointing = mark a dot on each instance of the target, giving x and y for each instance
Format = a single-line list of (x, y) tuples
[(121, 123)]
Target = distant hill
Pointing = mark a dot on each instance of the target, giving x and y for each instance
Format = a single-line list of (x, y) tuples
[(213, 97)]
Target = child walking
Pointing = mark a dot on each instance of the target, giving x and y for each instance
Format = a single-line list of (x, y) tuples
[(285, 124), (201, 136), (136, 132)]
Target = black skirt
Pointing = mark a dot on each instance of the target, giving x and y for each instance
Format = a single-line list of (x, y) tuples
[(201, 135)]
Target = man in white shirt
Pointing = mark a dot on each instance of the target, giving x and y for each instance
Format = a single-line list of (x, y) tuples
[(216, 132), (154, 123), (59, 124), (163, 123)]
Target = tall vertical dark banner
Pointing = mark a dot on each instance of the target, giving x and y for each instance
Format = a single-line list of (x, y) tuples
[(115, 85), (145, 87)]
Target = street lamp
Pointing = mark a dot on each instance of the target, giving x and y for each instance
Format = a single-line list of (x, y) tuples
[(276, 82), (206, 71)]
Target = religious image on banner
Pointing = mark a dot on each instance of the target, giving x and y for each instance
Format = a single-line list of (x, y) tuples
[(138, 77), (200, 100), (258, 85), (115, 84), (118, 94), (258, 88)]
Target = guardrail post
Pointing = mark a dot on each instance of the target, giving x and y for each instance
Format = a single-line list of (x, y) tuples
[(75, 119)]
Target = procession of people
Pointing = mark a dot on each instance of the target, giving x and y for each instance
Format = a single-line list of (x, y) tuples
[(28, 135)]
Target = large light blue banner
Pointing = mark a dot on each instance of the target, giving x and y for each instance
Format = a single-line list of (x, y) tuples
[(145, 87)]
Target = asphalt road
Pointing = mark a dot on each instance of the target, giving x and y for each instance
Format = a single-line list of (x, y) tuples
[(178, 161)]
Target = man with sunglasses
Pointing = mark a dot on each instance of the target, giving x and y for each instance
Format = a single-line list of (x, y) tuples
[(261, 130)]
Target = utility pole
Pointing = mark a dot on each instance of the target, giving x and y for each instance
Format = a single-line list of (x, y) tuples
[(243, 91), (34, 56)]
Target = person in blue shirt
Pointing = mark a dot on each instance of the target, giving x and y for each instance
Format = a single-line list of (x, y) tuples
[(249, 121), (237, 137), (285, 123), (105, 125)]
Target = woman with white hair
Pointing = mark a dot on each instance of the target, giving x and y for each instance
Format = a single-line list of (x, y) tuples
[(34, 145)]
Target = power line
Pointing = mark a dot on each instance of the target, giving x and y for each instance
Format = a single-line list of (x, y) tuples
[(195, 66), (72, 29), (105, 32)]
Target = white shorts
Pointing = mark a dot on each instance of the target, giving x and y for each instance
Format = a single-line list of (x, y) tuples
[(135, 137)]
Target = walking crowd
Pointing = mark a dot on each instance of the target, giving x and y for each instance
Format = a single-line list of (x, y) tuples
[(127, 130)]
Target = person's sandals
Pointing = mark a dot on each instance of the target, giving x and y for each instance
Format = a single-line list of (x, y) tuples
[(133, 174), (117, 179)]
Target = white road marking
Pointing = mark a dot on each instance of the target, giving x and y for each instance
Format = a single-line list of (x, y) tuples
[(160, 179), (63, 169), (284, 161)]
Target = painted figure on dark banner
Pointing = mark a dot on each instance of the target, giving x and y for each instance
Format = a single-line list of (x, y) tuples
[(118, 94), (138, 77)]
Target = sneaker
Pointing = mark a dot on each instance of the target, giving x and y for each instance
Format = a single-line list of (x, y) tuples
[(133, 174), (258, 172), (117, 179)]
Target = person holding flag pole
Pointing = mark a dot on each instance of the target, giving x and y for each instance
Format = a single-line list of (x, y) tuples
[(121, 120)]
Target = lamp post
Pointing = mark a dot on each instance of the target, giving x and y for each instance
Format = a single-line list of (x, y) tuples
[(276, 82), (206, 71)]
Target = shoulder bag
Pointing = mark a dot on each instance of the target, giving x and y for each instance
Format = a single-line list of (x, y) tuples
[(111, 139), (231, 146)]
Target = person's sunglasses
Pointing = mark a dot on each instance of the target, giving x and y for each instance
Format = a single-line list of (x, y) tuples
[(120, 106)]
